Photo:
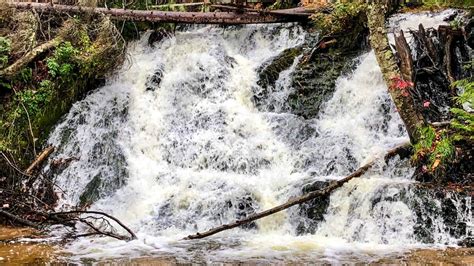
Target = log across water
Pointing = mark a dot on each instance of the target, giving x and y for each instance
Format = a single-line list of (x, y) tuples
[(290, 15)]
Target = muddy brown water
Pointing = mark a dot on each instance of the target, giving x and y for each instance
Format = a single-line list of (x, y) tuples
[(16, 250)]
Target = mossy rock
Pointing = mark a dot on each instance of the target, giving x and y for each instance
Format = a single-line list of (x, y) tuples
[(313, 211), (437, 211), (314, 82), (269, 72)]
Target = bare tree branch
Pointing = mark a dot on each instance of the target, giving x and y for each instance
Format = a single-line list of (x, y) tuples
[(291, 202)]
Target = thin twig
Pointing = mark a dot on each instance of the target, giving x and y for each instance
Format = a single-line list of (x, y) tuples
[(133, 236)]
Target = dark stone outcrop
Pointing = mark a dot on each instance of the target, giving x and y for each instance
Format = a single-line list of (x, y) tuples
[(437, 211)]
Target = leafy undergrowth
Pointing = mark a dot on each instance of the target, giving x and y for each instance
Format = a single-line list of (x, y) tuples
[(442, 147), (340, 17), (35, 97)]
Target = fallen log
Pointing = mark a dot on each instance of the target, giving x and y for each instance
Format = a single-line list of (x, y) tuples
[(14, 68), (177, 5), (229, 18), (298, 200), (299, 11), (41, 157), (14, 218)]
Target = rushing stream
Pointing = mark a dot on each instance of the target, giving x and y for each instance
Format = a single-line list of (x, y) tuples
[(174, 144)]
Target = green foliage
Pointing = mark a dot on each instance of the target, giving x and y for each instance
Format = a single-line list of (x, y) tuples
[(455, 24), (434, 150), (25, 75), (467, 94), (280, 4), (5, 85), (140, 4), (53, 67), (340, 19), (463, 120), (5, 48), (443, 151), (62, 63), (447, 3), (428, 135), (35, 100)]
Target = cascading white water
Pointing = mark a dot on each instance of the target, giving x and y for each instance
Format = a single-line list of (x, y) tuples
[(173, 144)]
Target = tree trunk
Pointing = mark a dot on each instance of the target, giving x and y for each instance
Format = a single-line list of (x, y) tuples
[(171, 17), (391, 72)]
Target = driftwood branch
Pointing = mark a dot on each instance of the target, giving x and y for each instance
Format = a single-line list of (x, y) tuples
[(132, 235), (98, 231), (294, 201), (168, 16), (39, 160), (14, 218)]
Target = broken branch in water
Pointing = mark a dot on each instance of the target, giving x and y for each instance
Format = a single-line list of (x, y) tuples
[(295, 201), (132, 235), (41, 157)]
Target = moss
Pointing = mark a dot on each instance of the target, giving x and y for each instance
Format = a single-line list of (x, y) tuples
[(340, 19), (5, 48), (269, 73), (46, 89)]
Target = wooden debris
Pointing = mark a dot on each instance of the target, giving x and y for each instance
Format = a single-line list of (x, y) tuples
[(39, 160), (169, 17), (294, 201)]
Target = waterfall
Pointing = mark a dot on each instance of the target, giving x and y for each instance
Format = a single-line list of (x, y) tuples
[(173, 144)]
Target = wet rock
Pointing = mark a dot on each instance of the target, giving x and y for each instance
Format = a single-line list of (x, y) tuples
[(105, 183), (153, 82), (170, 215), (440, 215), (159, 35), (467, 242), (314, 82), (243, 208), (312, 211), (314, 79), (269, 71)]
